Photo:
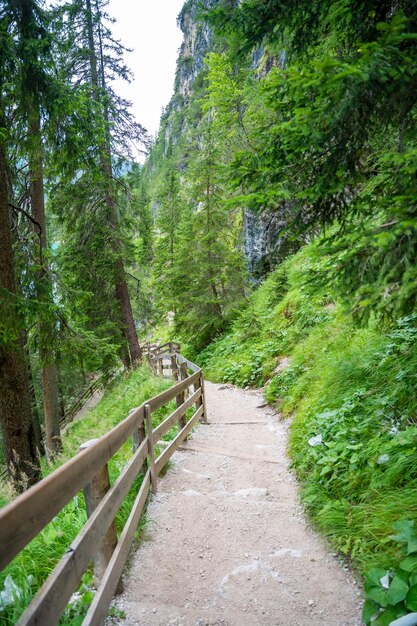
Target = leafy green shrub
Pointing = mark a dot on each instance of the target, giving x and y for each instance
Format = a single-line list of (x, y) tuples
[(392, 593)]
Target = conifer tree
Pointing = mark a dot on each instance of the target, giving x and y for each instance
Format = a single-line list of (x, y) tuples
[(15, 403), (169, 205), (209, 266), (91, 57), (36, 90)]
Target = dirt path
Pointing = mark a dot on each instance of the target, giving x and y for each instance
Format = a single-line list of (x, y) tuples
[(228, 543)]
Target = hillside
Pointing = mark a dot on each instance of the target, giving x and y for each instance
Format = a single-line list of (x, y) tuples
[(349, 393), (306, 144)]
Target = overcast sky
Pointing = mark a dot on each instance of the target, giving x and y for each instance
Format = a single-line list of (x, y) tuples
[(150, 28)]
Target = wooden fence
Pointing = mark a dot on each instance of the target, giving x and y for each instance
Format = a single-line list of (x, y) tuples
[(27, 515), (76, 406), (80, 401)]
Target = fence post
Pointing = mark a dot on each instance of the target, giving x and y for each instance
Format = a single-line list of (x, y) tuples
[(150, 447), (181, 396), (201, 400), (138, 435), (174, 368), (94, 492)]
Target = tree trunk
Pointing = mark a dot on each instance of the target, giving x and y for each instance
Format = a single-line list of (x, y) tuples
[(209, 227), (44, 292), (15, 406), (129, 329), (61, 401), (37, 431)]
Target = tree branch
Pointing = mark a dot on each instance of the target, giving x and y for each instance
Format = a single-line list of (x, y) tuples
[(39, 233), (134, 277)]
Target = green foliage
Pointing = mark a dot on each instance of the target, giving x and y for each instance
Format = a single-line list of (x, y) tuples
[(331, 141), (198, 266), (276, 317), (393, 593)]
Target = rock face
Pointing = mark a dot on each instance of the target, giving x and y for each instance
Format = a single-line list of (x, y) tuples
[(264, 242), (197, 42)]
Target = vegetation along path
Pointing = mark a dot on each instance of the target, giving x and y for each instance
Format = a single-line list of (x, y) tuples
[(228, 542)]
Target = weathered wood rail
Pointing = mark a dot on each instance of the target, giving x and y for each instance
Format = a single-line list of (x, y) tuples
[(27, 515), (80, 401), (76, 406)]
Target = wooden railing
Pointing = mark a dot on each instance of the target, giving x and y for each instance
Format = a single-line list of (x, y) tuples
[(27, 515), (79, 402), (76, 406)]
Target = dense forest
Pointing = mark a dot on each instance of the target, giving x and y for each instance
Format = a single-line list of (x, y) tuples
[(272, 230)]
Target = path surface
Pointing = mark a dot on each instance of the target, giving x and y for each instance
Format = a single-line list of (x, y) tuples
[(228, 543)]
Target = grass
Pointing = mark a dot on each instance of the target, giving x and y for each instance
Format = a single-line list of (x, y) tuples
[(25, 574), (353, 386)]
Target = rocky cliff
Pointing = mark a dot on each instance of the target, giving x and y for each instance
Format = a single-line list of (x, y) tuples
[(197, 42)]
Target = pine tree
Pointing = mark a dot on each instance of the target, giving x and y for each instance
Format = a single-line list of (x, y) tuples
[(36, 89), (209, 266), (15, 404), (90, 58), (169, 204)]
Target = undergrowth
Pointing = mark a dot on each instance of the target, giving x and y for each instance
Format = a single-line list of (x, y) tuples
[(26, 573), (350, 391)]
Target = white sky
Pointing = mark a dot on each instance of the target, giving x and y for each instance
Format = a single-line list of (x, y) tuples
[(150, 28)]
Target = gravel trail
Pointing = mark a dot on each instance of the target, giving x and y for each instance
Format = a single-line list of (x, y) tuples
[(228, 543)]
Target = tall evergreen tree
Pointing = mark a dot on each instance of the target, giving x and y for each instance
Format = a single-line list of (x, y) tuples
[(91, 58), (208, 282), (336, 135), (36, 90), (169, 204), (15, 403)]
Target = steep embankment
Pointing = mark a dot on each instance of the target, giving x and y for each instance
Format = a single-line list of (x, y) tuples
[(227, 533), (350, 390)]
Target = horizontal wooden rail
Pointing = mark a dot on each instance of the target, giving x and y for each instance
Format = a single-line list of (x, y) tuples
[(162, 460), (27, 515), (168, 423), (53, 597), (98, 609), (79, 402)]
